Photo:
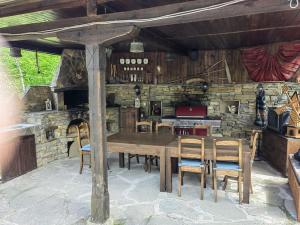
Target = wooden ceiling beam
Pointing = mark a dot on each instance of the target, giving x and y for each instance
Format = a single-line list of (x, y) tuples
[(21, 7), (238, 32), (246, 8)]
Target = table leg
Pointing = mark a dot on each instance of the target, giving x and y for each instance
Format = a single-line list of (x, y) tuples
[(121, 160), (168, 172), (247, 177), (162, 169)]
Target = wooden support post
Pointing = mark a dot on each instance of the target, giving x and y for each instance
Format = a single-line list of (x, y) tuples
[(91, 8), (228, 72), (96, 67)]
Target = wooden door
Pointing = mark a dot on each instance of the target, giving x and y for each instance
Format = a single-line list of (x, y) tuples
[(128, 117)]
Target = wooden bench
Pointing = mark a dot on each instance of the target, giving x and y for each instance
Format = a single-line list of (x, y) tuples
[(294, 182)]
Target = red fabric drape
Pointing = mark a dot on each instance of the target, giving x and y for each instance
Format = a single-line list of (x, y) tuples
[(263, 66)]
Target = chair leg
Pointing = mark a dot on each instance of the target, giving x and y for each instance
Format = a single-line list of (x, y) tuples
[(205, 178), (225, 180), (240, 186), (182, 175), (208, 167), (212, 180), (251, 187), (90, 155), (202, 184), (179, 181), (81, 163), (146, 163), (156, 160), (215, 185), (129, 156), (137, 159), (150, 163)]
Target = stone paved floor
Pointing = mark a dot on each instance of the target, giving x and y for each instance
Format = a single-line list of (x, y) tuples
[(58, 195)]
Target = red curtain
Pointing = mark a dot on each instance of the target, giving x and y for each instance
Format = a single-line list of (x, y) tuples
[(263, 66)]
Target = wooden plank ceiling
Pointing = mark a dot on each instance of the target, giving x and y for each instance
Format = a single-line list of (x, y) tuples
[(227, 33)]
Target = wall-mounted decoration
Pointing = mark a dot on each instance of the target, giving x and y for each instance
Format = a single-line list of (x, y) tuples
[(155, 108), (122, 61), (127, 61), (145, 61), (133, 61), (264, 66), (139, 61), (232, 107)]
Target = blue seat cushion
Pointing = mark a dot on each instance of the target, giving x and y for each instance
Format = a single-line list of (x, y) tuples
[(86, 148), (227, 166), (191, 162)]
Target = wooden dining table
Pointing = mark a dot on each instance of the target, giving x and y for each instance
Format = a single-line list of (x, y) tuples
[(166, 147), (142, 144)]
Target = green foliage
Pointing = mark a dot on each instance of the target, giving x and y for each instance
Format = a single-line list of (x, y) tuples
[(48, 66)]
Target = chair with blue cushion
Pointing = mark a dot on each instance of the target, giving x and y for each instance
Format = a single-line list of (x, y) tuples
[(191, 158), (253, 147), (83, 133), (227, 165)]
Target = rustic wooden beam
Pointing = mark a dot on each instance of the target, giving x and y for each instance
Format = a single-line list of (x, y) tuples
[(21, 7), (271, 28), (107, 35), (246, 8), (96, 67)]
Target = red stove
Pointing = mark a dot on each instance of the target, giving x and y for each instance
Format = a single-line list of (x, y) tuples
[(187, 116), (191, 112)]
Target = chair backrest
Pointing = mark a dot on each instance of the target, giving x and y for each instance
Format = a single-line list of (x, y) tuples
[(143, 123), (253, 143), (83, 131), (234, 145), (203, 127), (167, 125), (189, 148)]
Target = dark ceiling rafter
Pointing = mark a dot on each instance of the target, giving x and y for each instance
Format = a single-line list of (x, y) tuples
[(42, 47), (246, 8), (22, 7)]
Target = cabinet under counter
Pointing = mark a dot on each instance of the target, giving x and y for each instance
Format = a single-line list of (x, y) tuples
[(18, 156)]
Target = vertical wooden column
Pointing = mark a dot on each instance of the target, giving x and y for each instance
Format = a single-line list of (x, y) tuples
[(96, 67)]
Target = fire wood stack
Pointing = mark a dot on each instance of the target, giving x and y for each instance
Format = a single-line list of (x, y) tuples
[(293, 128)]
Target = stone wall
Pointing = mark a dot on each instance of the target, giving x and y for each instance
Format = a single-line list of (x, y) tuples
[(235, 125), (34, 99), (56, 147), (53, 148)]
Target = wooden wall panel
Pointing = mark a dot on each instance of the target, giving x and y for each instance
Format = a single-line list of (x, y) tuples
[(209, 66)]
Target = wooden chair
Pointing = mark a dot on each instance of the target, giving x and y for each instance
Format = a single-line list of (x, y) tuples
[(227, 165), (148, 125), (164, 125), (203, 127), (190, 161), (208, 133), (83, 132), (253, 147)]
